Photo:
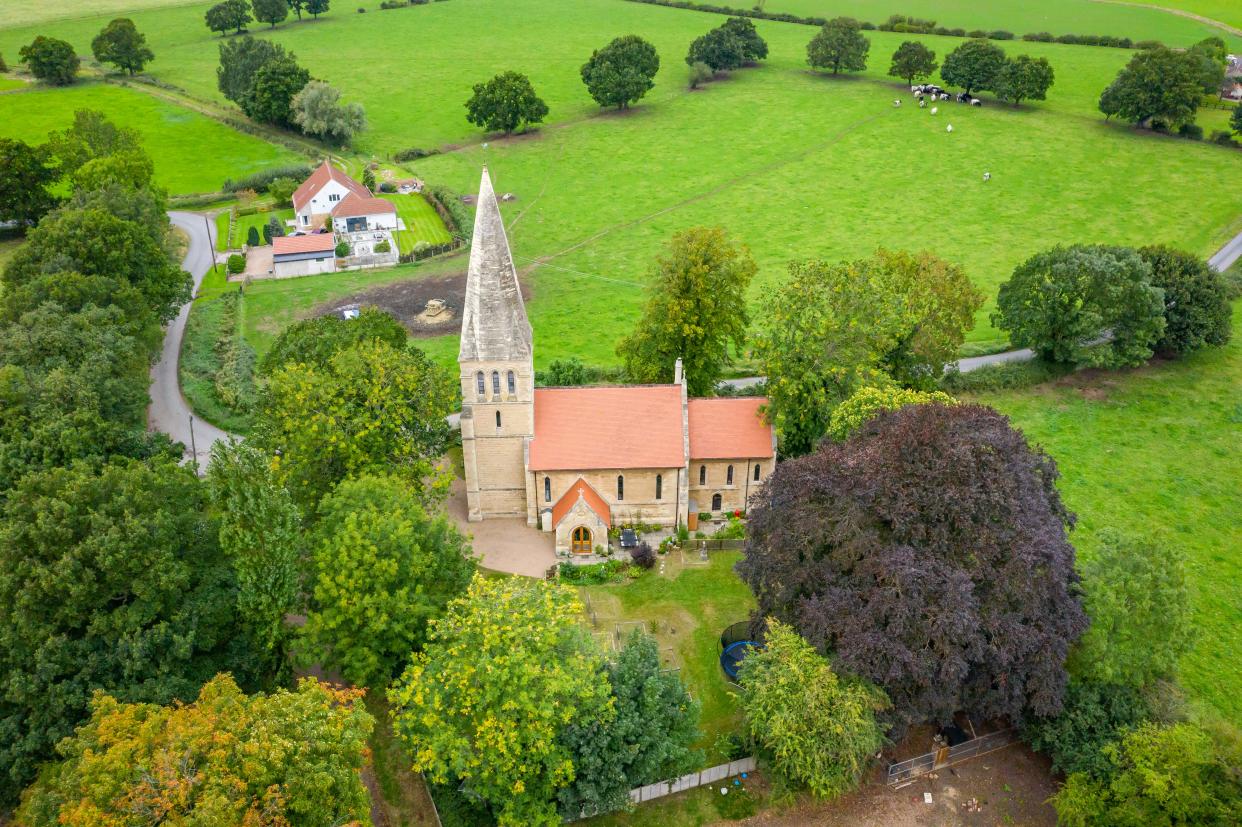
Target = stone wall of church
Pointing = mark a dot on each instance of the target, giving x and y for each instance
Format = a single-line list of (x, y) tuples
[(715, 476), (639, 503), (494, 429), (580, 517)]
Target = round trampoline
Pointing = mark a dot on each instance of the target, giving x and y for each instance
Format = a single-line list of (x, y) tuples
[(736, 642)]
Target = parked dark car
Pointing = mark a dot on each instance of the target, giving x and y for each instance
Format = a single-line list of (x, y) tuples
[(629, 538)]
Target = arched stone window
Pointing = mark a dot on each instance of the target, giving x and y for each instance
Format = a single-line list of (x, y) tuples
[(729, 475), (756, 472), (659, 486), (716, 501), (496, 382), (512, 384), (702, 475), (497, 419), (482, 383), (547, 489), (620, 488)]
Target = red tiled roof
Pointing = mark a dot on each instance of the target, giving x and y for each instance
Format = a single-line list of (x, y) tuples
[(352, 205), (589, 495), (314, 243), (604, 428), (324, 173), (729, 429)]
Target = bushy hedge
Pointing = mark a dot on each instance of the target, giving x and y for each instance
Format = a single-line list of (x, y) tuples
[(593, 574), (413, 154), (1004, 376), (259, 181), (451, 211), (234, 378)]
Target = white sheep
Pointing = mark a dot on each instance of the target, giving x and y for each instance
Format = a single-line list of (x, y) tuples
[(949, 128), (935, 109)]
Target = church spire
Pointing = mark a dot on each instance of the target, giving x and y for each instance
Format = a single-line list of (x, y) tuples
[(494, 326)]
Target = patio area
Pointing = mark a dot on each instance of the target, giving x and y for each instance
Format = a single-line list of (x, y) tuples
[(508, 546)]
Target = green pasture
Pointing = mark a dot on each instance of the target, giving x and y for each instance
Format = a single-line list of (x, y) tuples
[(1156, 450), (26, 12), (191, 152), (1224, 11), (12, 84), (422, 222)]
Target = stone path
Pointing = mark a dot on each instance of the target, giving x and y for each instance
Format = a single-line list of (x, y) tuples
[(508, 546)]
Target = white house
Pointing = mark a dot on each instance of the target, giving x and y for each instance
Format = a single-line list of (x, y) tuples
[(303, 255), (331, 194)]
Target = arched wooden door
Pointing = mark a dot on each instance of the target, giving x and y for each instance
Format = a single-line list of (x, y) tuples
[(581, 540)]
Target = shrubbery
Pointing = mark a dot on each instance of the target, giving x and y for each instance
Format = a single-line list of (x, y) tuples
[(237, 262), (260, 181), (234, 378), (643, 555)]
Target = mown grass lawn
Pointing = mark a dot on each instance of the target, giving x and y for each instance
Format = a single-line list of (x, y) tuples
[(1158, 450), (241, 227), (685, 608), (422, 222), (191, 152)]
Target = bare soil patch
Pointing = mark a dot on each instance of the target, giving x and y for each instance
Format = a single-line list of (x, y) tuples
[(407, 301)]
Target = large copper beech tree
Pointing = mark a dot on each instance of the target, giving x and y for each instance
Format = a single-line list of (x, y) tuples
[(929, 554)]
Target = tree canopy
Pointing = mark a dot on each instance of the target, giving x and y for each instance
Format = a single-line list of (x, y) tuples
[(289, 758), (696, 311), (230, 14), (621, 72), (111, 578), (382, 569), (317, 111), (275, 86), (1158, 85), (26, 177), (929, 554), (506, 103), (51, 60), (913, 61), (1093, 716), (754, 47), (315, 341), (1197, 311), (1024, 78), (507, 669), (121, 44), (864, 404), (1085, 304), (820, 729), (91, 137), (975, 65), (840, 46), (270, 12), (371, 409)]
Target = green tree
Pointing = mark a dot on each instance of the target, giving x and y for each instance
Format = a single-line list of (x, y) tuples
[(1139, 604), (240, 61), (1085, 305), (297, 6), (315, 341), (231, 14), (1168, 775), (567, 372), (368, 178), (720, 49), (270, 11), (1197, 312), (1235, 120), (318, 111), (621, 72), (840, 46), (91, 137), (506, 671), (1093, 716), (50, 60), (1024, 78), (224, 758), (282, 189), (128, 170), (1157, 86), (111, 579), (975, 65), (26, 178), (1211, 54), (867, 403), (260, 533), (382, 569), (316, 7), (700, 73), (913, 61), (649, 740), (275, 86), (371, 409), (137, 205), (252, 236), (819, 728), (754, 47), (121, 44), (696, 311), (506, 103)]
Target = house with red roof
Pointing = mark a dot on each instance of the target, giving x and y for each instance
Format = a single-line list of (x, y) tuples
[(579, 461), (330, 198)]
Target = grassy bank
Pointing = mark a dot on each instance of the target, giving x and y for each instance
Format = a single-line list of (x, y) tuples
[(217, 366)]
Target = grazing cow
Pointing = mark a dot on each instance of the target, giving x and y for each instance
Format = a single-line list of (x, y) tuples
[(976, 102), (922, 104), (987, 176), (896, 102), (962, 97), (944, 96)]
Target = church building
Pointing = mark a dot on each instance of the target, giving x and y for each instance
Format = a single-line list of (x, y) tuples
[(578, 461)]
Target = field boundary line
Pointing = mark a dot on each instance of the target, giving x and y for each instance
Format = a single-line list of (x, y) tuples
[(1189, 15)]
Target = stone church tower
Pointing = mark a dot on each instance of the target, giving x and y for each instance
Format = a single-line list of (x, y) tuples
[(497, 371)]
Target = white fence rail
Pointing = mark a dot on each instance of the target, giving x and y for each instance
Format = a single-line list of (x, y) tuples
[(695, 779)]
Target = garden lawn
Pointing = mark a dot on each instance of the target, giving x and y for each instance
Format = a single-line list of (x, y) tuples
[(422, 222), (241, 228), (688, 606), (1158, 450), (191, 153)]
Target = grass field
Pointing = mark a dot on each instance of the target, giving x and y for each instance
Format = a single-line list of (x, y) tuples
[(12, 84), (685, 608), (1224, 11), (1156, 450), (191, 152), (241, 228), (25, 12), (422, 223)]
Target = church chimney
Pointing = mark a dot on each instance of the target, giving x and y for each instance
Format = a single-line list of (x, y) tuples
[(678, 375)]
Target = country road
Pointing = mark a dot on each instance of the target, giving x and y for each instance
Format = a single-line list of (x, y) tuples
[(169, 412)]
